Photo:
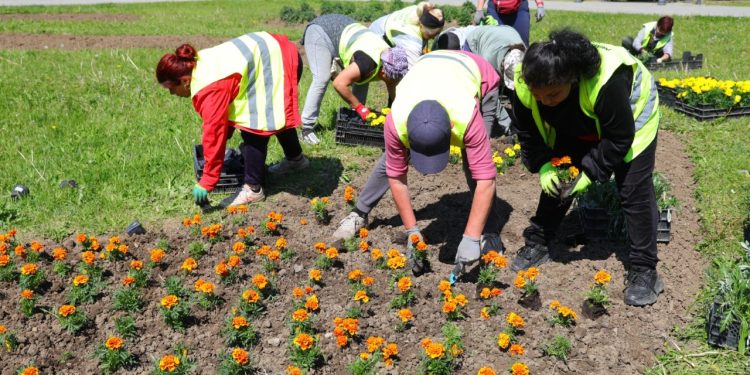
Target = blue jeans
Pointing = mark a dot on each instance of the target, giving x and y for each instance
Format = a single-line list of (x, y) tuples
[(521, 20)]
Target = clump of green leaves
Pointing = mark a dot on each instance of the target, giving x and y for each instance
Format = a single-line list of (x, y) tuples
[(197, 249), (559, 347), (305, 13), (127, 299), (125, 326)]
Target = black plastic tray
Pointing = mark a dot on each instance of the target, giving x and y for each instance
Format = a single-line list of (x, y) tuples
[(667, 96), (664, 226), (232, 174), (687, 62), (730, 338), (351, 130), (703, 113)]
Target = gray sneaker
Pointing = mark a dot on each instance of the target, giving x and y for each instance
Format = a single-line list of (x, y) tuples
[(308, 136), (285, 165), (247, 195), (491, 241), (349, 226)]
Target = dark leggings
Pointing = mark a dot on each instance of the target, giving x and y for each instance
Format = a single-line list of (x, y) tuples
[(254, 149), (521, 20)]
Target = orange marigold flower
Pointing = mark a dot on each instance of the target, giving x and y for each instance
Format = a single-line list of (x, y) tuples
[(368, 281), (425, 342), (485, 293), (170, 301), (4, 260), (573, 171), (376, 254), (517, 349), (3, 329), (157, 255), (503, 341), (232, 210), (136, 264), (221, 269), (421, 246), (281, 243), (123, 249), (490, 256), (30, 371), (59, 253), (435, 350), (602, 277), (519, 368), (274, 255), (234, 261), (28, 269), (272, 226), (113, 343), (515, 320), (250, 296), (486, 371), (554, 304), (66, 310), (298, 292), (332, 253), (260, 281), (238, 248), (404, 284), (36, 246), (393, 253), (349, 194), (405, 315), (362, 296), (444, 285), (128, 280), (312, 303), (396, 263), (364, 246), (20, 251), (206, 288), (189, 264), (363, 233), (291, 370), (519, 281), (12, 233), (461, 300), (566, 312), (449, 307), (88, 257), (114, 240), (186, 222), (263, 250), (500, 261), (239, 322), (240, 356), (196, 219), (95, 244), (315, 274), (341, 341), (320, 247), (169, 363), (300, 315), (304, 341), (81, 238), (484, 313), (496, 292), (456, 350), (27, 294), (303, 221), (374, 343), (532, 273), (355, 274), (390, 350), (80, 280)]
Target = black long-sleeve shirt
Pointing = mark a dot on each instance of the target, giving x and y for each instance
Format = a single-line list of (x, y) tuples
[(576, 134)]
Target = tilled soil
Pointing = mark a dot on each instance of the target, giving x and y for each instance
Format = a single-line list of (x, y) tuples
[(624, 341)]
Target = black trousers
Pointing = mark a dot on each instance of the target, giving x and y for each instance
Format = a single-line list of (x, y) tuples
[(636, 190), (254, 149)]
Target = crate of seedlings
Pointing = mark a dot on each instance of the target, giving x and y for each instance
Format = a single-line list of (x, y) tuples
[(727, 324), (667, 96), (706, 98), (232, 172), (352, 130), (688, 62), (600, 212), (666, 203)]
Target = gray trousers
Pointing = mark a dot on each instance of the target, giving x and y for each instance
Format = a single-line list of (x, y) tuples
[(320, 54), (377, 185)]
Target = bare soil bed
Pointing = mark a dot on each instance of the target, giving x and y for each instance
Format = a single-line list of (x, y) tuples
[(625, 341)]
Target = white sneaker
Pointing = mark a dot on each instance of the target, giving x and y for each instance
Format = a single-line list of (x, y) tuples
[(309, 137), (349, 226), (286, 165), (491, 241), (247, 195)]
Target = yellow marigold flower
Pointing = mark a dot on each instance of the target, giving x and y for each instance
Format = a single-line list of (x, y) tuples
[(393, 253), (30, 371), (312, 303), (435, 350), (238, 248), (484, 313), (169, 363), (304, 341), (374, 343), (532, 273), (189, 264), (123, 249), (157, 255), (554, 304), (517, 147), (388, 362), (27, 294), (59, 253), (376, 254), (251, 296), (332, 253), (80, 280), (566, 312), (364, 356), (260, 281), (515, 320), (486, 371), (136, 264), (405, 315), (170, 301), (239, 322), (66, 310), (503, 341), (362, 296), (281, 243), (519, 368), (291, 370), (573, 172), (240, 356), (113, 343), (461, 300), (404, 284), (28, 269), (602, 277), (516, 349), (315, 274), (300, 315), (485, 293), (397, 262), (456, 350)]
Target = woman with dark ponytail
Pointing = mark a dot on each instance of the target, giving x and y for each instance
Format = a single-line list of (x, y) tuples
[(598, 105), (248, 83)]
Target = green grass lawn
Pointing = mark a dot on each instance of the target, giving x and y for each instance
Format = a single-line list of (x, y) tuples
[(99, 117)]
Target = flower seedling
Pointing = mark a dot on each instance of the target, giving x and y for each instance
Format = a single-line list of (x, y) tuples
[(272, 223), (83, 290), (112, 355), (59, 266), (597, 299), (125, 326), (319, 207), (490, 295), (71, 319), (563, 315), (405, 317), (345, 329), (27, 302), (206, 296), (526, 282), (176, 363), (8, 339), (405, 295), (558, 347), (349, 198), (127, 298), (238, 332), (31, 276), (303, 352), (175, 312)]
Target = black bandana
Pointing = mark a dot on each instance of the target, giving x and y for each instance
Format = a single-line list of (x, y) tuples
[(429, 21)]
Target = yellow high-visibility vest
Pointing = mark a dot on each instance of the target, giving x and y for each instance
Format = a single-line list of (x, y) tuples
[(650, 26), (356, 37)]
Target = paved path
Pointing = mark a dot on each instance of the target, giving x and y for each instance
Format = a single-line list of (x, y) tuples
[(76, 2)]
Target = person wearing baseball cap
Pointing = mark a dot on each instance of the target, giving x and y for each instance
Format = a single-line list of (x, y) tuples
[(429, 116)]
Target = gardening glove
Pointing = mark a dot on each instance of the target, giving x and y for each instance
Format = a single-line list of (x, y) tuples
[(478, 15), (659, 60), (200, 194), (467, 253), (416, 266), (539, 14), (549, 180), (579, 185), (362, 111)]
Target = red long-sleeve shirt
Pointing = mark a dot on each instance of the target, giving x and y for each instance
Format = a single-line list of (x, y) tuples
[(212, 104)]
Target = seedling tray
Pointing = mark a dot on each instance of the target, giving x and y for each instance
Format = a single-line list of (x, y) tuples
[(729, 338), (667, 96), (664, 226), (352, 130), (687, 62), (705, 112), (232, 175), (595, 223)]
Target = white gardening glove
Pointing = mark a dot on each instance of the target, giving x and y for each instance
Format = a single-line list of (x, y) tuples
[(478, 15), (539, 14), (468, 252)]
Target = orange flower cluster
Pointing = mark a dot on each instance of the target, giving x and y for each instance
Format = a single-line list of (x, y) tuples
[(29, 371), (515, 320), (492, 256), (113, 343), (170, 301), (250, 296), (562, 310), (27, 294), (503, 340), (602, 277), (433, 349), (66, 310), (239, 322), (212, 231), (88, 242), (403, 284), (311, 303), (169, 363), (486, 371), (189, 264), (240, 356), (59, 253), (344, 329), (136, 264), (349, 195), (80, 280), (260, 281), (238, 209), (281, 243), (29, 269), (88, 257), (418, 244), (519, 368), (244, 232), (195, 220), (273, 221), (487, 293), (405, 315), (115, 244), (304, 341), (204, 287), (396, 260), (452, 304), (562, 161), (355, 275), (389, 350), (157, 255)]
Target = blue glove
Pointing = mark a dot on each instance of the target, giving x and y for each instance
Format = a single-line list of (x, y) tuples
[(539, 14), (580, 184), (549, 180), (200, 195)]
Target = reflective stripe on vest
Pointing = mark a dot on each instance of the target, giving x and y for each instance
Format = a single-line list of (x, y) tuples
[(648, 28), (259, 104), (457, 92), (402, 22), (356, 37), (644, 101)]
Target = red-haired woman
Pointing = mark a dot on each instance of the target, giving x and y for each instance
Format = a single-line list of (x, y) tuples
[(248, 83), (655, 38)]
